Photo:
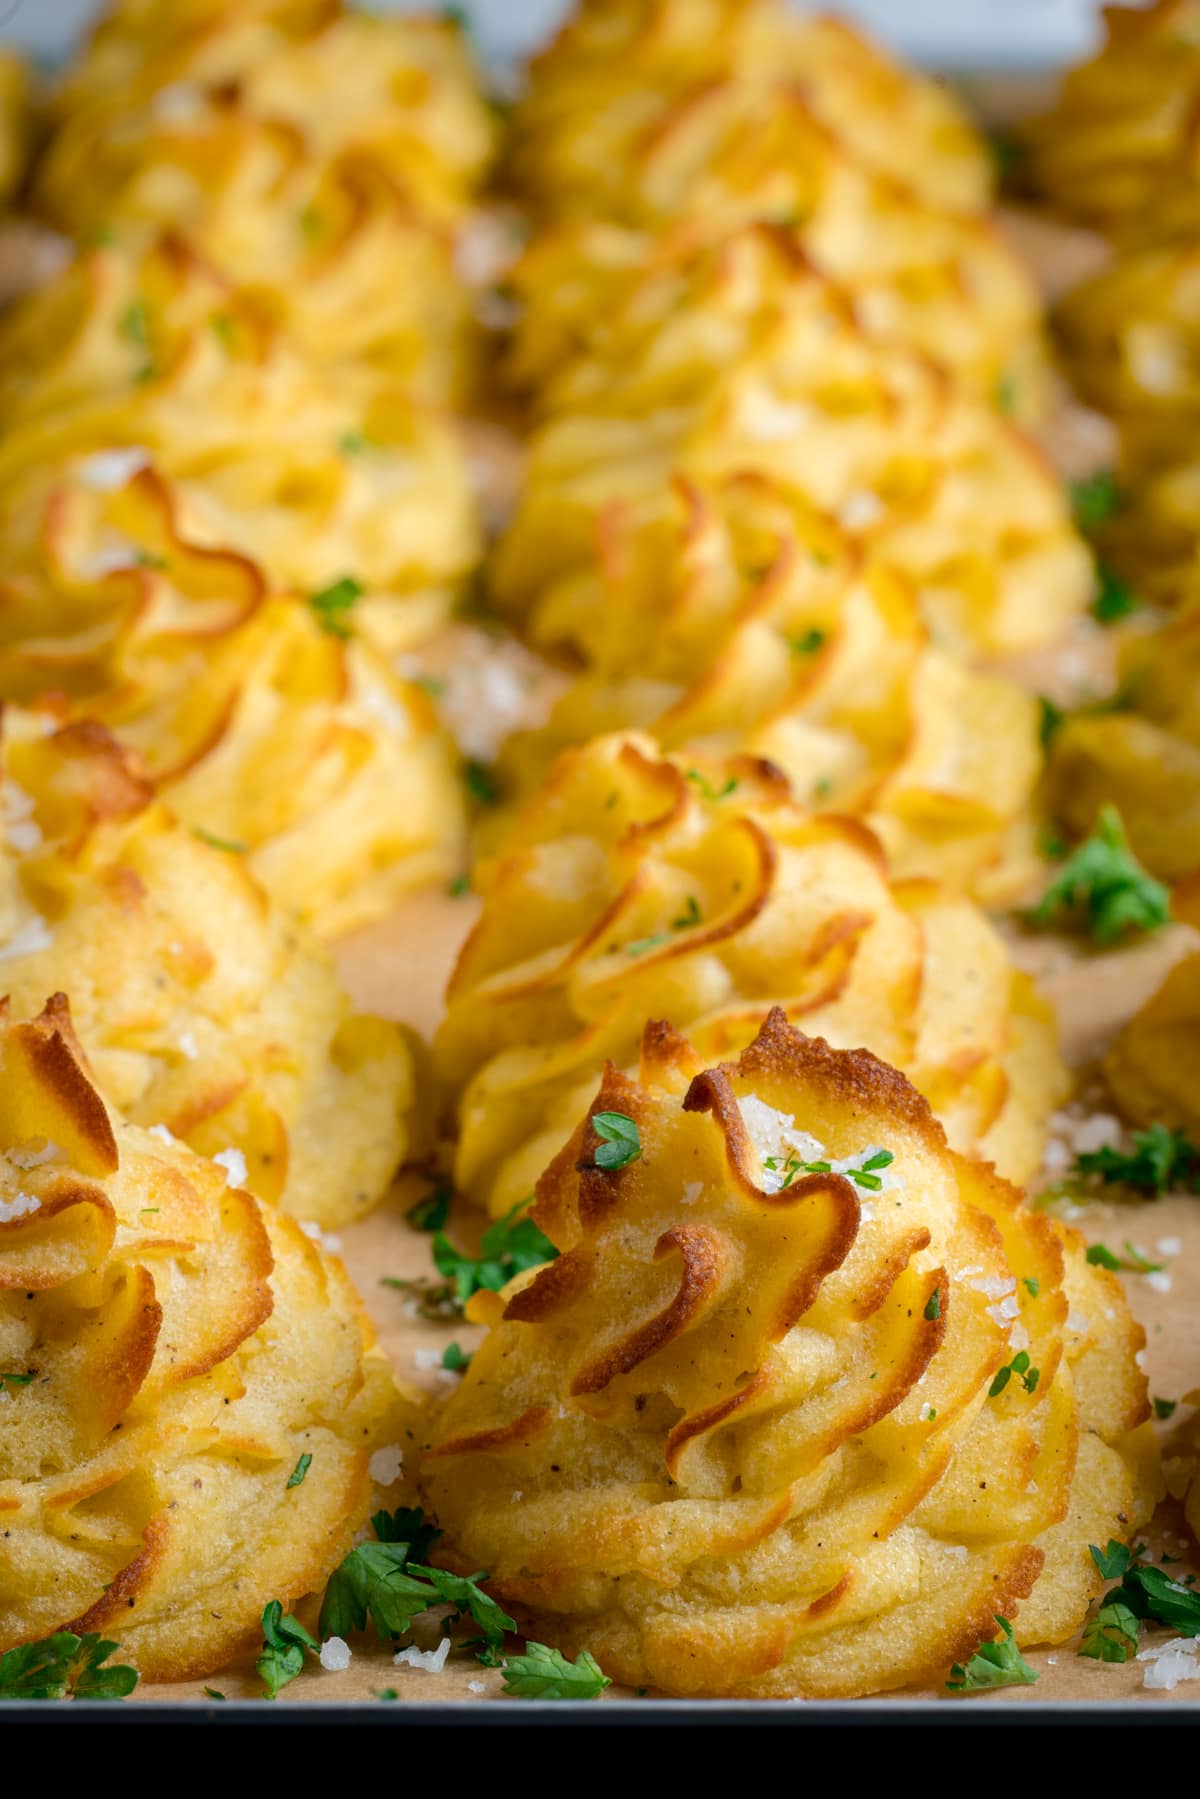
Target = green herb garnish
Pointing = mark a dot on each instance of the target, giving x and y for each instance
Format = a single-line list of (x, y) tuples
[(1018, 1368), (706, 787), (64, 1666), (296, 1477), (1094, 499), (1161, 1161), (334, 603), (933, 1305), (385, 1584), (1144, 1592), (998, 1664), (480, 782), (229, 844), (285, 1644), (431, 1213), (10, 1380), (455, 1359), (1105, 884), (510, 1246), (1165, 1408), (545, 1673), (807, 643), (619, 1142), (1133, 1261), (1114, 598)]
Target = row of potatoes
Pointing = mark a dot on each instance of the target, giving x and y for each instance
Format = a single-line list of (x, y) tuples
[(747, 1433)]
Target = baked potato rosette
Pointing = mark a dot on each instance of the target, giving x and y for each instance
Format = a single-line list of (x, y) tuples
[(202, 1005), (745, 1436), (171, 1350), (1124, 121), (775, 634), (15, 121), (951, 495), (638, 883), (264, 453), (1143, 756), (941, 284), (271, 723), (598, 94), (1151, 1064), (334, 79)]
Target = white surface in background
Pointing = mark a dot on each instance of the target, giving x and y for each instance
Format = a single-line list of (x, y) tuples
[(947, 33)]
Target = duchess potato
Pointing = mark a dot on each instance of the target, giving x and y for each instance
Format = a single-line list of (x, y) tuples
[(1124, 121), (272, 724), (327, 78), (952, 495), (776, 635), (265, 454), (598, 94), (204, 1008), (185, 1347), (637, 884), (1151, 1066), (1144, 758), (744, 1437)]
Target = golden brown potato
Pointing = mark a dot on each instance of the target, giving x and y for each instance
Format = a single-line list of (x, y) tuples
[(272, 724), (186, 1348), (204, 1008), (775, 634), (943, 285), (1124, 120), (740, 1438), (638, 884), (1151, 1066), (265, 454), (952, 496), (327, 79), (598, 95), (1145, 758), (14, 121)]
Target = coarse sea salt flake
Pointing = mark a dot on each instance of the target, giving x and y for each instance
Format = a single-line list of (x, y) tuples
[(431, 1660), (34, 935), (386, 1464), (1169, 1663), (234, 1164), (325, 1238), (335, 1655), (19, 1206), (1169, 1246), (1159, 1281), (106, 470)]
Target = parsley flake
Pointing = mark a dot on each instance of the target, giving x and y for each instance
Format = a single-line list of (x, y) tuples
[(807, 643), (545, 1673), (1144, 1592), (455, 1359), (64, 1666), (1165, 1408), (212, 1693), (296, 1477), (332, 604), (510, 1246), (480, 782), (1104, 883), (1161, 1161), (10, 1381), (1114, 598), (229, 844), (933, 1305), (619, 1142), (706, 787), (285, 1644), (458, 885), (1133, 1261), (1094, 499), (1019, 1366), (998, 1664), (1032, 1285), (431, 1213)]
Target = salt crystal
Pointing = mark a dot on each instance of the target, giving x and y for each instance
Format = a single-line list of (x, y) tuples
[(1168, 1246), (106, 470), (187, 1045), (316, 1235), (19, 1206), (431, 1660), (1169, 1663), (476, 1686), (1101, 1131), (335, 1655), (1159, 1281), (34, 935), (234, 1164), (385, 1465), (162, 1133), (860, 509)]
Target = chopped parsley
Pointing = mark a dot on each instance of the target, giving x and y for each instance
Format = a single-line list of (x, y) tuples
[(998, 1664), (1144, 1593), (619, 1142), (807, 643), (355, 443), (134, 324), (1007, 393), (9, 1381), (687, 920), (1133, 1261), (1018, 1367), (386, 1584), (229, 844), (212, 1693), (1161, 1161), (933, 1305), (458, 885), (431, 1213), (296, 1477), (1032, 1285), (1050, 721), (545, 1673), (864, 1176), (706, 787), (455, 1359), (224, 329), (510, 1246), (480, 782), (1165, 1408), (334, 603), (1114, 598), (1094, 499), (1103, 883), (285, 1644), (64, 1666)]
